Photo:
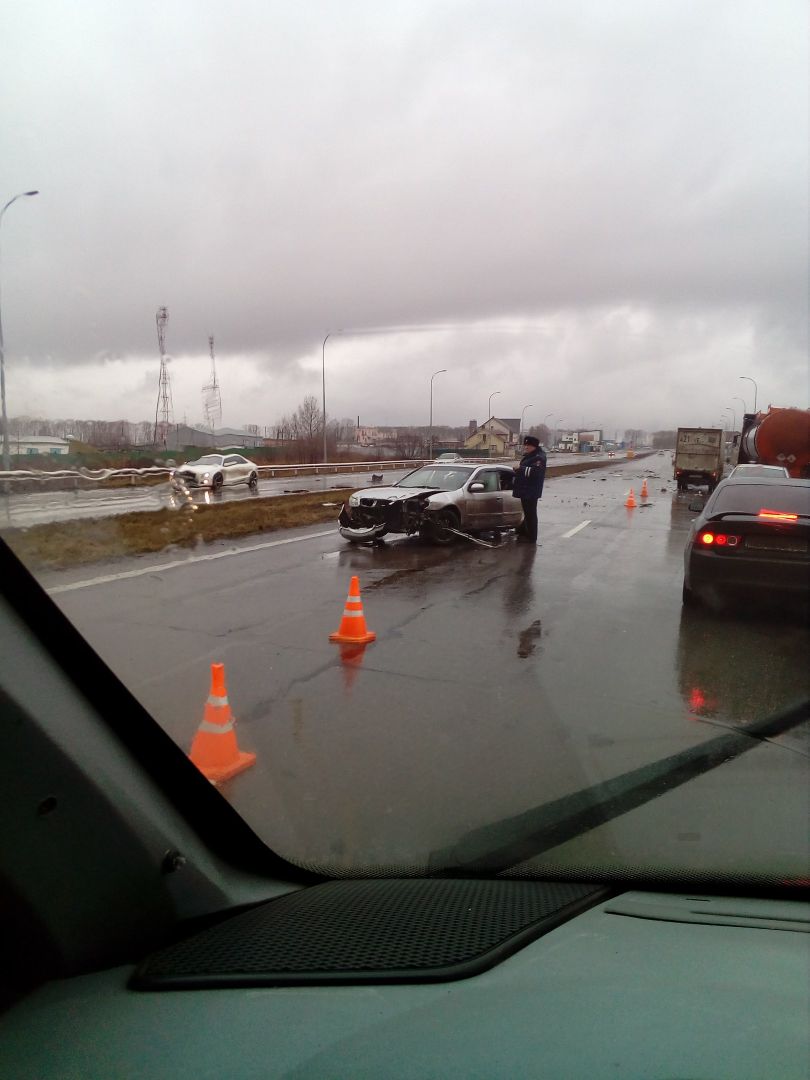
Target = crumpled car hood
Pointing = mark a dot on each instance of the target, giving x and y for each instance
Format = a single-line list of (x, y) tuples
[(393, 494)]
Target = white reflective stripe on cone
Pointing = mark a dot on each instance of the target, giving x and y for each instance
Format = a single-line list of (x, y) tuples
[(219, 701), (215, 729)]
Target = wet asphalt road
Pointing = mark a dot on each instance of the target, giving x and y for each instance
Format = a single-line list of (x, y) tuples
[(500, 679)]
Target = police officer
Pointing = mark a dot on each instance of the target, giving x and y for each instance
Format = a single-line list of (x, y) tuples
[(530, 472)]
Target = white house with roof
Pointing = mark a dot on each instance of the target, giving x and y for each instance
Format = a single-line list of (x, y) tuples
[(28, 445)]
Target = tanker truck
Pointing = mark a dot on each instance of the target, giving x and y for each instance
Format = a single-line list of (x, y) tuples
[(777, 437)]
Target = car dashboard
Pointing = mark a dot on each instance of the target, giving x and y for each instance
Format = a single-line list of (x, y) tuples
[(641, 984)]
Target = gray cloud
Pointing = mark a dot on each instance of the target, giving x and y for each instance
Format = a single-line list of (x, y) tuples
[(626, 183)]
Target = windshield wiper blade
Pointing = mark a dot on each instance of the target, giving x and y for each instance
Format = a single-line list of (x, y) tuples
[(504, 844)]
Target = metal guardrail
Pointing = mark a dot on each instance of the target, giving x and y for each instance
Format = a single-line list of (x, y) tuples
[(324, 467), (92, 477), (99, 476)]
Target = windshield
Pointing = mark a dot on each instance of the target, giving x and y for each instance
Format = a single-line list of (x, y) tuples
[(341, 241), (751, 498), (443, 478)]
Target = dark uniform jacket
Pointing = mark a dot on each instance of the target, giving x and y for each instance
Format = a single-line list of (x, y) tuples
[(530, 475)]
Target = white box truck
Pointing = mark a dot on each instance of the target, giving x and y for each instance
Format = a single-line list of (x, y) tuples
[(699, 457)]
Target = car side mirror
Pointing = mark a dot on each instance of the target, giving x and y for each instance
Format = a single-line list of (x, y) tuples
[(475, 488)]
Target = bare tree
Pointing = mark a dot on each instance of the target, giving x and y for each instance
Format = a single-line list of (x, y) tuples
[(409, 443), (303, 431), (541, 432)]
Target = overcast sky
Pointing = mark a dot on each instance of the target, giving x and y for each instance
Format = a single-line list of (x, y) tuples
[(598, 209)]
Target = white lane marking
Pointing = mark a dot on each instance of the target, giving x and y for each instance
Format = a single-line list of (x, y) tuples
[(158, 568), (576, 529)]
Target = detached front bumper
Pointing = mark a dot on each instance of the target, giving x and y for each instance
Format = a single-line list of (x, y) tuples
[(359, 534)]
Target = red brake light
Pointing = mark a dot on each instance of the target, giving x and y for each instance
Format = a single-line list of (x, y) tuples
[(718, 539), (777, 515)]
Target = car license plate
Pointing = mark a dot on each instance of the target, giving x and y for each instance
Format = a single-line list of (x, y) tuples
[(776, 543)]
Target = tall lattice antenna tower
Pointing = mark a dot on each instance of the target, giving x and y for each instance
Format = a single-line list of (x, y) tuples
[(163, 409), (212, 401)]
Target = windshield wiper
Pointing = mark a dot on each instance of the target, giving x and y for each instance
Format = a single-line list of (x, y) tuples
[(506, 843)]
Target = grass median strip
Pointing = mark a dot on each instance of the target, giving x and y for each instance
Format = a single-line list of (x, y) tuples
[(74, 543)]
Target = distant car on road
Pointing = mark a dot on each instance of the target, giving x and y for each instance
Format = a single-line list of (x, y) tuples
[(758, 470), (432, 501), (611, 453), (217, 470), (449, 457), (750, 540)]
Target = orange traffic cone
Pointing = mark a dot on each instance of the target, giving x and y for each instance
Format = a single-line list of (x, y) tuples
[(644, 493), (353, 624), (631, 503), (214, 750)]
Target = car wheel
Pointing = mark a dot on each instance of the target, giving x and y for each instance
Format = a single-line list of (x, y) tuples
[(216, 483), (440, 525), (253, 480)]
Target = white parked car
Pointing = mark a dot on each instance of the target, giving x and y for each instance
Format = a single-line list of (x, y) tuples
[(216, 470)]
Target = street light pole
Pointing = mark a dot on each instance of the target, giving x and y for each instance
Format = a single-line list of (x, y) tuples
[(749, 379), (525, 407), (6, 455), (489, 414), (742, 402), (734, 418), (430, 437), (323, 383)]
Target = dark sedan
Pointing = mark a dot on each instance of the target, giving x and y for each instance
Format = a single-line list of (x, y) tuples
[(750, 541)]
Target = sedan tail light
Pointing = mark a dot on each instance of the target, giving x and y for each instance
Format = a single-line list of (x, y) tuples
[(712, 539)]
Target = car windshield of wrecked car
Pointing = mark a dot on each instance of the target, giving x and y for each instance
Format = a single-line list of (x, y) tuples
[(445, 479)]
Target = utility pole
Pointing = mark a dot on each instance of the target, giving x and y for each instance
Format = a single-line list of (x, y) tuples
[(6, 456)]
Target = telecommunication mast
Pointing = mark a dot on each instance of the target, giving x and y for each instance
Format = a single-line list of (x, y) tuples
[(163, 409), (212, 400)]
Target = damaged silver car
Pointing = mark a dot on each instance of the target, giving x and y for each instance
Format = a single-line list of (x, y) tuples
[(437, 501)]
